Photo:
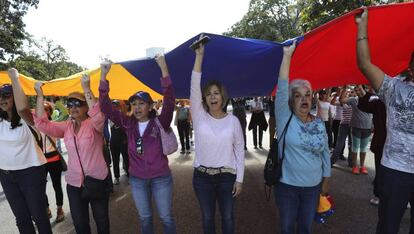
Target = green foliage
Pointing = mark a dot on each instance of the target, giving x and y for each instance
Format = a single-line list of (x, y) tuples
[(273, 20), (278, 20), (12, 32), (318, 12), (45, 60)]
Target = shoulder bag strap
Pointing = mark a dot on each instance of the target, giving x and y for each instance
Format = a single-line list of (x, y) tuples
[(37, 136), (77, 152), (51, 142), (284, 136)]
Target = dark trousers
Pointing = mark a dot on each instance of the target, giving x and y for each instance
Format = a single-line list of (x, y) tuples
[(55, 171), (211, 189), (25, 191), (79, 209), (396, 190), (183, 127), (335, 130), (377, 158), (118, 148), (329, 133), (297, 207), (255, 135)]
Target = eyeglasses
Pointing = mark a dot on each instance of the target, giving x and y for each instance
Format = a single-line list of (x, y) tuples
[(74, 103), (5, 95), (140, 147)]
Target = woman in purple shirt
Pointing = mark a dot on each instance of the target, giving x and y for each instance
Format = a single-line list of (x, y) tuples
[(150, 175)]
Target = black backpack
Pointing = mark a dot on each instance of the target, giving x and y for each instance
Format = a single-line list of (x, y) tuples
[(273, 166)]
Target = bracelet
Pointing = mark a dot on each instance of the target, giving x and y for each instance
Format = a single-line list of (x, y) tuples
[(362, 38)]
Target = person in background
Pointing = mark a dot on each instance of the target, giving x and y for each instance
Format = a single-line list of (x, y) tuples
[(240, 112), (54, 168), (150, 175), (59, 114), (370, 103), (272, 120), (83, 137), (22, 171), (336, 116), (306, 167), (323, 109), (397, 167), (361, 124), (219, 155), (183, 118), (344, 131), (118, 145), (257, 121)]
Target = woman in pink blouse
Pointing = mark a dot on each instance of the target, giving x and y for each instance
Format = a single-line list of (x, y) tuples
[(219, 153), (83, 136)]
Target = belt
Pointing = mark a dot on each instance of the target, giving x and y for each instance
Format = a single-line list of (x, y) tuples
[(215, 170)]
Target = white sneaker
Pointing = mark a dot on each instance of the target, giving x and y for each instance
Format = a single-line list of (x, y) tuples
[(374, 201), (408, 206)]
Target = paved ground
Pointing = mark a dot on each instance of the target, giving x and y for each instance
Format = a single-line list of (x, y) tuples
[(254, 215)]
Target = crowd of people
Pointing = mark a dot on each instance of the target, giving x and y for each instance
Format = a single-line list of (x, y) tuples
[(311, 128)]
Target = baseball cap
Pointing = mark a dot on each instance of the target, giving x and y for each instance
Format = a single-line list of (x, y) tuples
[(6, 89), (141, 95)]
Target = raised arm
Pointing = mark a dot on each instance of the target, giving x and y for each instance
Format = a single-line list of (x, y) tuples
[(287, 57), (282, 95), (86, 86), (196, 106), (41, 121), (373, 74), (20, 99), (115, 116), (168, 91)]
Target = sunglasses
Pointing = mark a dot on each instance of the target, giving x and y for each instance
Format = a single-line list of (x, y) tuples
[(74, 103), (140, 147), (5, 95)]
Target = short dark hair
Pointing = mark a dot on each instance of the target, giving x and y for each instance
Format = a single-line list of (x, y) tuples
[(221, 88)]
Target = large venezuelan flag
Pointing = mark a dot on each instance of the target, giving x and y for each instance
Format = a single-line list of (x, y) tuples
[(325, 56)]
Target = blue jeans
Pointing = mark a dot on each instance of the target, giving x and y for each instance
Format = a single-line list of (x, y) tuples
[(25, 191), (395, 191), (296, 204), (160, 189), (210, 189), (79, 209)]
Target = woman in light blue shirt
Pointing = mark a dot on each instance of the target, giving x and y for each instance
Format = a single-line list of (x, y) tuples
[(306, 165)]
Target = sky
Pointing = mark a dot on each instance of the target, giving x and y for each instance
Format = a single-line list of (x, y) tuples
[(123, 30)]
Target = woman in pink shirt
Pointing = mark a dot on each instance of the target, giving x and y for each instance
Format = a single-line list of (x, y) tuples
[(83, 136), (219, 152)]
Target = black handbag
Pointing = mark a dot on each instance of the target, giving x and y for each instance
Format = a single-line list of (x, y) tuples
[(92, 188), (273, 166)]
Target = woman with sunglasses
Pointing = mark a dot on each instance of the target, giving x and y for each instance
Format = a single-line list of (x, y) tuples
[(83, 137), (150, 175), (22, 171)]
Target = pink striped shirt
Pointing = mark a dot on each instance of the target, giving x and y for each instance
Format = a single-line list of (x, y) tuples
[(89, 141)]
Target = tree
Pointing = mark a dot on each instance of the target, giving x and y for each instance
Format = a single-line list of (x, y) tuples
[(318, 12), (45, 60), (274, 20), (278, 20), (12, 32)]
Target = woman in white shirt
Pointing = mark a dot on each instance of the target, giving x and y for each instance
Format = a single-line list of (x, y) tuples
[(22, 174), (219, 153), (323, 110)]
